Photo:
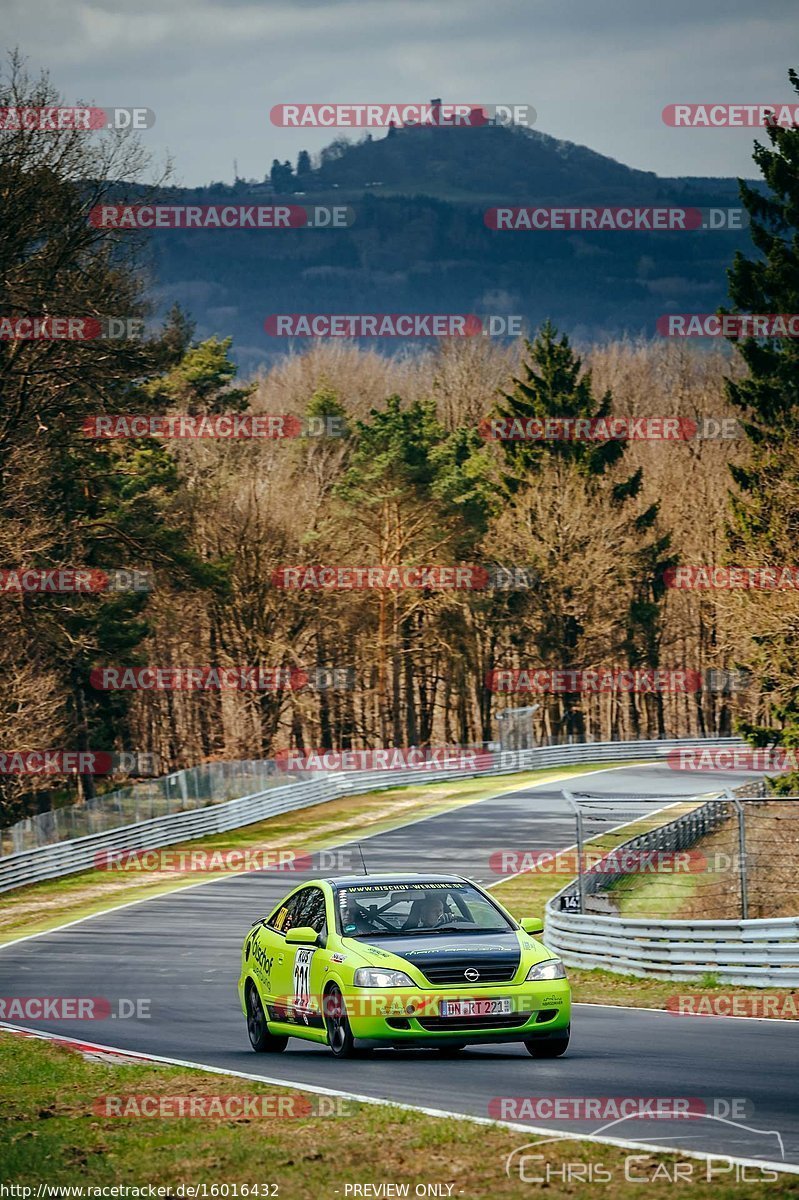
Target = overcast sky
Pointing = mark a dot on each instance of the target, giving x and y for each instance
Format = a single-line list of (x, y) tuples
[(598, 72)]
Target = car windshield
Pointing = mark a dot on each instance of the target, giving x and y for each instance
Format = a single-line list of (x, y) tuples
[(385, 910)]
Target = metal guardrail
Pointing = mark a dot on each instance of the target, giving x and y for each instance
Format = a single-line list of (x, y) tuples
[(758, 951), (80, 854)]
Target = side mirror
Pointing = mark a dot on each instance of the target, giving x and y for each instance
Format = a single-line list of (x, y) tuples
[(532, 925), (303, 935)]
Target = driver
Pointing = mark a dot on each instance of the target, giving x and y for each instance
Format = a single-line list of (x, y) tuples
[(354, 919), (427, 913)]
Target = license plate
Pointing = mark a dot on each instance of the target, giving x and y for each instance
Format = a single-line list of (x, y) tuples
[(475, 1008)]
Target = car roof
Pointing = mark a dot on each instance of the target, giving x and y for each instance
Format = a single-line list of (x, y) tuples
[(344, 881)]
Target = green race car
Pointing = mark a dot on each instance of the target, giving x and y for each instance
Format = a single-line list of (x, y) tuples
[(402, 961)]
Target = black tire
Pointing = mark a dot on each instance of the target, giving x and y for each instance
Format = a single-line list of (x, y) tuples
[(451, 1051), (551, 1047), (339, 1033), (261, 1040)]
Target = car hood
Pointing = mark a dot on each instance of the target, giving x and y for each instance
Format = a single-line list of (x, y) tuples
[(439, 949)]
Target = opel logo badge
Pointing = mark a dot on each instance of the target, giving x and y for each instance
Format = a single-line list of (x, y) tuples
[(471, 974)]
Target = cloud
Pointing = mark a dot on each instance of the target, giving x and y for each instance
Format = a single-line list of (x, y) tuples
[(598, 74)]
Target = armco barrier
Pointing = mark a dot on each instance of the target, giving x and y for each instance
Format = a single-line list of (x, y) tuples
[(79, 854), (759, 952)]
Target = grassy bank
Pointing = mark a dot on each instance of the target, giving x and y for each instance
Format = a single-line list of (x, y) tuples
[(54, 1132)]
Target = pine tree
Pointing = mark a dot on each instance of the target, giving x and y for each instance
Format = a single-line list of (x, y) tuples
[(764, 526), (554, 384)]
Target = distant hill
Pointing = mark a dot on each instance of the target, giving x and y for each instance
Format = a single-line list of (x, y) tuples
[(419, 242)]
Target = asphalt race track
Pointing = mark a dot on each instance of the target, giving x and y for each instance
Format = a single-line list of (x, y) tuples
[(181, 951)]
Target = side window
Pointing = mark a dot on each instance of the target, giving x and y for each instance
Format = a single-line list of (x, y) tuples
[(313, 910), (285, 916)]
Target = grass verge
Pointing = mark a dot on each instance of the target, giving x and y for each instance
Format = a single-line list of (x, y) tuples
[(53, 1135)]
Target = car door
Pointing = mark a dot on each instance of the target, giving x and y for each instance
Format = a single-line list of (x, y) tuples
[(280, 956), (307, 967)]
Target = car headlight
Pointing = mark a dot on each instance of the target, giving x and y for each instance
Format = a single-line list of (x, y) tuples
[(378, 978), (551, 968)]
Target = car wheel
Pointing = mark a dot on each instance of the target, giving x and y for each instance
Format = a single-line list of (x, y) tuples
[(339, 1034), (551, 1047), (261, 1039), (451, 1051)]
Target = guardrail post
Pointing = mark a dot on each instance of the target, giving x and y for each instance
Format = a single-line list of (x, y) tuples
[(578, 821), (739, 808)]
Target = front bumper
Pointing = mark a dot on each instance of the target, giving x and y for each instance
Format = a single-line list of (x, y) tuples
[(388, 1017)]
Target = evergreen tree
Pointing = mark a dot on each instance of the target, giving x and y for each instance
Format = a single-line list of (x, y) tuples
[(554, 384), (764, 526)]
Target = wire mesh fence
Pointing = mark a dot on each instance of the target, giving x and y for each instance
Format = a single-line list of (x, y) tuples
[(730, 857), (196, 787)]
